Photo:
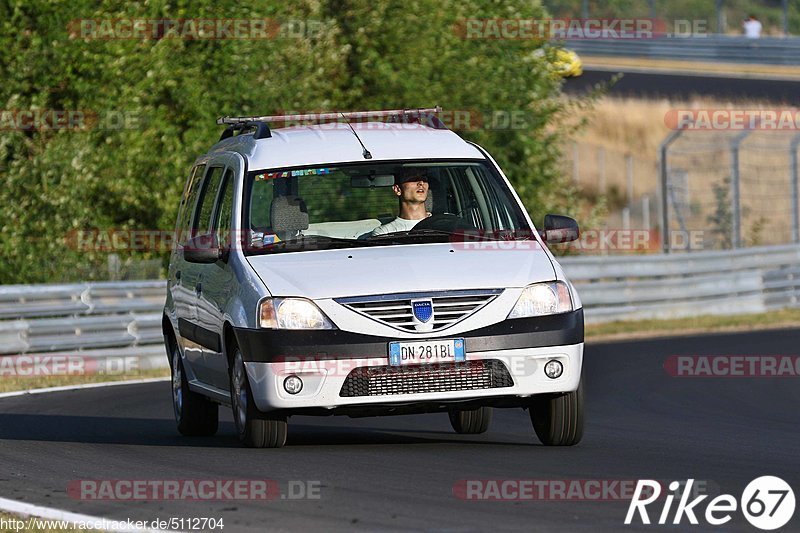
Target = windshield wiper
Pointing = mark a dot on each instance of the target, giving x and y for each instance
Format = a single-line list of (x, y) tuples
[(427, 234), (315, 242)]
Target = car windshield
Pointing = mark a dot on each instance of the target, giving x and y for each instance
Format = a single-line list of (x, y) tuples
[(358, 205)]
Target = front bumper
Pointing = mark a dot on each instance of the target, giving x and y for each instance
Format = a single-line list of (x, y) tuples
[(513, 351)]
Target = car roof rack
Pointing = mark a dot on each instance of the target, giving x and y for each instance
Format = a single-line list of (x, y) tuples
[(262, 130)]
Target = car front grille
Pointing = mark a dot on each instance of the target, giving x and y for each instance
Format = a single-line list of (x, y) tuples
[(395, 309), (418, 379)]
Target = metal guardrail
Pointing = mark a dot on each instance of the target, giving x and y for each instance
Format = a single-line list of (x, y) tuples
[(747, 280), (50, 318), (713, 48), (118, 318)]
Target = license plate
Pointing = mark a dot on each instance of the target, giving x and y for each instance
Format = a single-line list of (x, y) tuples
[(424, 352)]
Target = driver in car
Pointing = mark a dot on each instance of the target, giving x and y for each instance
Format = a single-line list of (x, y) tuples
[(411, 188)]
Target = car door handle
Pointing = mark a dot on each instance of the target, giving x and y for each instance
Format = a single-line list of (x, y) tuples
[(178, 276), (198, 288)]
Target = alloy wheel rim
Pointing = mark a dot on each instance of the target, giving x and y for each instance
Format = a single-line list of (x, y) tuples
[(177, 385), (239, 392)]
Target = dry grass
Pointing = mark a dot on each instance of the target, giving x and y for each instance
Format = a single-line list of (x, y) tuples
[(627, 125), (785, 318), (620, 127), (699, 67), (17, 383)]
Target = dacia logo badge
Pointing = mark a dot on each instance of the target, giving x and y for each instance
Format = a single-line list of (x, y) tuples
[(422, 311)]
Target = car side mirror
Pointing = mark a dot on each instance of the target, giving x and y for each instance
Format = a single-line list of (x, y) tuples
[(560, 229), (202, 249)]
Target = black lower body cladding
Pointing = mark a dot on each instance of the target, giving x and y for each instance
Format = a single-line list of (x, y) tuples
[(270, 346)]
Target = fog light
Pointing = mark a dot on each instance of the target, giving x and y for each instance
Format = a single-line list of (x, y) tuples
[(293, 384), (553, 369)]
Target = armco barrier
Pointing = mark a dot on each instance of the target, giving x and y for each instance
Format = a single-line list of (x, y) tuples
[(118, 317), (74, 317), (711, 48), (746, 280)]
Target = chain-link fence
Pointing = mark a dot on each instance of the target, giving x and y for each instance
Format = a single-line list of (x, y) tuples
[(731, 189), (709, 190)]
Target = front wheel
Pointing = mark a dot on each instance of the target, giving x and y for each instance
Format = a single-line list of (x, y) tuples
[(254, 428), (558, 419), (471, 422), (195, 414)]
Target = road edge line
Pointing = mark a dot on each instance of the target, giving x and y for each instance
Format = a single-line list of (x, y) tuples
[(49, 513)]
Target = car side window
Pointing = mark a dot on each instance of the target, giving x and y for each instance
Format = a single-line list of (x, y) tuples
[(188, 202), (205, 204), (224, 211)]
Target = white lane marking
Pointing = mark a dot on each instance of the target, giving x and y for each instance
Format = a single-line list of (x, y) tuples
[(83, 386), (48, 513)]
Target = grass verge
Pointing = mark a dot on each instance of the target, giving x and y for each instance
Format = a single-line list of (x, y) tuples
[(17, 383), (785, 318)]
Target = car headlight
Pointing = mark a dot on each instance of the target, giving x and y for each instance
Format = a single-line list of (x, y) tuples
[(291, 313), (543, 299)]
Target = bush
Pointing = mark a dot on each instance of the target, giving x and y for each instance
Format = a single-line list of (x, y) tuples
[(168, 93)]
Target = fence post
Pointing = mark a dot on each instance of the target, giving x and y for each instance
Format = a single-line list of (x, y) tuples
[(629, 171), (785, 17), (795, 186), (576, 175), (114, 267), (663, 149), (736, 204), (601, 170)]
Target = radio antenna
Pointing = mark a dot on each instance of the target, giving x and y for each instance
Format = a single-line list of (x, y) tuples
[(365, 153)]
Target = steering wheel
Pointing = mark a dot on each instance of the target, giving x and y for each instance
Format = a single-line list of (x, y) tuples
[(444, 222)]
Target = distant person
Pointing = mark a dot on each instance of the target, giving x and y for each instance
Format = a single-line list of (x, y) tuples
[(412, 190), (752, 27)]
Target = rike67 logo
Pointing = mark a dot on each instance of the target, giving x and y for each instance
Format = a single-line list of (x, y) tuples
[(767, 503)]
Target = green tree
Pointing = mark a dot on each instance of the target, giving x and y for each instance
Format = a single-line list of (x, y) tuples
[(168, 93)]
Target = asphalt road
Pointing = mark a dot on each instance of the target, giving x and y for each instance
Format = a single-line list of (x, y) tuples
[(398, 473), (655, 85)]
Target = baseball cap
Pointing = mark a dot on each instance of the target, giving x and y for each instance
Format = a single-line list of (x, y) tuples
[(411, 174)]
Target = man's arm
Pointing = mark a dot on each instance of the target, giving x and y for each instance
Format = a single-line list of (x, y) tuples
[(380, 230)]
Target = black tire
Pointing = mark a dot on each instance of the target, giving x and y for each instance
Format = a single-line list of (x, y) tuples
[(471, 422), (196, 415), (255, 429), (558, 419)]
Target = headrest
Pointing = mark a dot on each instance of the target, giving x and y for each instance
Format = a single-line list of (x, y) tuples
[(288, 213)]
